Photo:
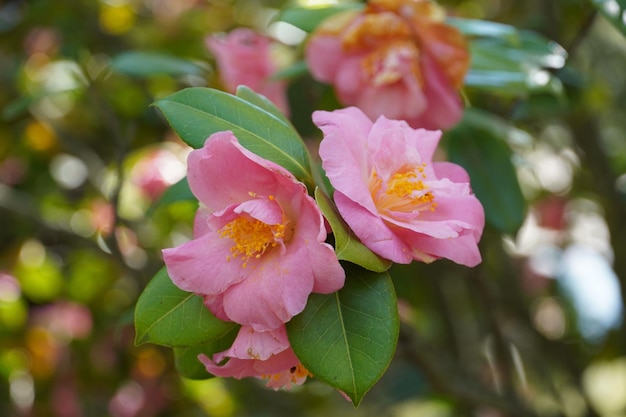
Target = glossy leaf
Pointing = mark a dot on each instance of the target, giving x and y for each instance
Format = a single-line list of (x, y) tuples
[(262, 102), (168, 316), (308, 18), (347, 339), (196, 113), (479, 145), (614, 11), (142, 64), (515, 63), (186, 359), (347, 246), (476, 27)]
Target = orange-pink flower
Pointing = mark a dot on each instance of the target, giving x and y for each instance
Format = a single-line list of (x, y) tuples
[(397, 58)]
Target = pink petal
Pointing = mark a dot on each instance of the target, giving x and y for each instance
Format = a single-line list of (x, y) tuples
[(328, 274), (445, 108), (265, 210), (404, 99), (250, 344), (322, 56), (243, 368), (372, 231), (279, 287), (200, 222), (454, 172), (344, 151), (201, 265), (215, 173), (462, 250), (390, 139)]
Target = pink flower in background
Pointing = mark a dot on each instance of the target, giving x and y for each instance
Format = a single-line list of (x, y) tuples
[(265, 355), (258, 249), (397, 58), (244, 58), (397, 201), (157, 169)]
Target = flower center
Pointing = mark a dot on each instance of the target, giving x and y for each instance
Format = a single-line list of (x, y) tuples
[(294, 375), (404, 191), (251, 237)]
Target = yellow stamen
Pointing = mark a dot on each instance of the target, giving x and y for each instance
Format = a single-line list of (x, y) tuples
[(404, 191), (251, 237)]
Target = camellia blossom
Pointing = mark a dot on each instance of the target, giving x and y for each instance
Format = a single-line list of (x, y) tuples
[(397, 201), (266, 355), (258, 249), (244, 57), (396, 58)]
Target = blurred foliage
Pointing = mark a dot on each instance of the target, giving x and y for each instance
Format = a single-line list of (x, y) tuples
[(536, 330)]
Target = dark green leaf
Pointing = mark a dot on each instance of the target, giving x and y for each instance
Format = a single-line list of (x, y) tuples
[(143, 64), (196, 113), (614, 11), (478, 144), (308, 18), (347, 339), (261, 102), (347, 246), (168, 316), (186, 359)]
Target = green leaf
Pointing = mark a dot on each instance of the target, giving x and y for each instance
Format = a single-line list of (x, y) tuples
[(296, 70), (483, 28), (614, 11), (308, 18), (347, 339), (144, 64), (347, 246), (176, 192), (166, 315), (511, 62), (186, 359), (261, 102), (196, 113), (478, 144)]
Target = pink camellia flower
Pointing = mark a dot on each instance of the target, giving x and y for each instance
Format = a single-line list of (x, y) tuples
[(396, 58), (244, 58), (265, 355), (397, 201), (258, 249)]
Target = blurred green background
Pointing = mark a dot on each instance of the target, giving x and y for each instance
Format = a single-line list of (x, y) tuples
[(536, 330)]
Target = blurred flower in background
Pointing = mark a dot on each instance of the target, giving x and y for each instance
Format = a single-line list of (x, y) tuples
[(396, 58), (245, 57)]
